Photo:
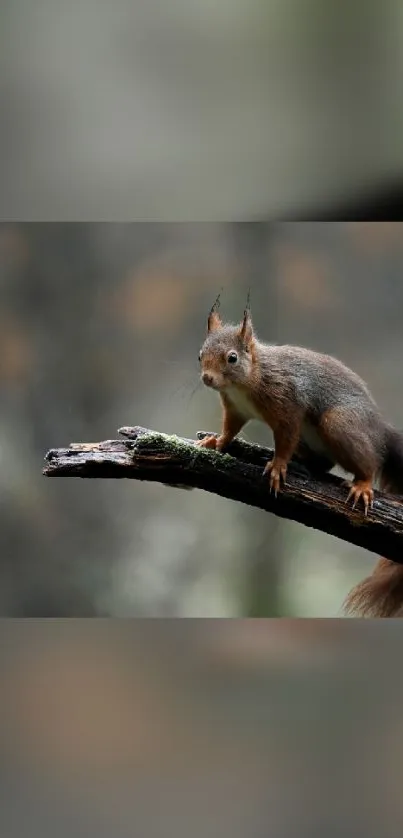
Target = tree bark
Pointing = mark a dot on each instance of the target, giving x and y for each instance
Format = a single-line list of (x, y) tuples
[(143, 454)]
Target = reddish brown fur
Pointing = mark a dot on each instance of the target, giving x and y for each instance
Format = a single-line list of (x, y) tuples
[(380, 594), (232, 423), (214, 321)]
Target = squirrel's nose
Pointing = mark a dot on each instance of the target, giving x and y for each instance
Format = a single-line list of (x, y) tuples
[(207, 379)]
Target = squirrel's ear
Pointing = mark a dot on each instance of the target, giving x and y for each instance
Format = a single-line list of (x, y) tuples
[(214, 320), (246, 330)]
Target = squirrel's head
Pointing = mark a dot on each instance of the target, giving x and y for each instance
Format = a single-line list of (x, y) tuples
[(227, 355)]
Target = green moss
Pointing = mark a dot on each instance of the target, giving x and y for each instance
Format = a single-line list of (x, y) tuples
[(181, 449)]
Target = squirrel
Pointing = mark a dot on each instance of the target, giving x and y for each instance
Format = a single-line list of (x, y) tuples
[(322, 414)]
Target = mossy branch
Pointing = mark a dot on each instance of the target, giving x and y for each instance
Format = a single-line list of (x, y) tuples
[(142, 454)]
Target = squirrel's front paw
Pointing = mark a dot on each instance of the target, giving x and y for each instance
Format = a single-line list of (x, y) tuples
[(208, 442), (278, 473), (217, 443)]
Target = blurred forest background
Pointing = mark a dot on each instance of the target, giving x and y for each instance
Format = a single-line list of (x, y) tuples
[(188, 110), (101, 326), (231, 728)]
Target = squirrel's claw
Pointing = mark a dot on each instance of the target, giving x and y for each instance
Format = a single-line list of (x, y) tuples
[(362, 489), (278, 473)]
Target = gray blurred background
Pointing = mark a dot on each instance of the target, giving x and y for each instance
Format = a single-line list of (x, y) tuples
[(101, 326), (226, 729), (196, 111)]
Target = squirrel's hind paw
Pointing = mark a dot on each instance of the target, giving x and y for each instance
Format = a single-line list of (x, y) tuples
[(277, 470), (362, 489)]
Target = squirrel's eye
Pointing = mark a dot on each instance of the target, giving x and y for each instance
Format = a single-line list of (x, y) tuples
[(200, 356), (232, 357)]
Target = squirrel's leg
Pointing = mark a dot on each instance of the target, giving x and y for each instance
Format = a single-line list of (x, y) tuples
[(286, 438), (353, 449), (232, 423)]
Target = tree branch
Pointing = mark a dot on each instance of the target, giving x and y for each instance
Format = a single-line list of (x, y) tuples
[(143, 454)]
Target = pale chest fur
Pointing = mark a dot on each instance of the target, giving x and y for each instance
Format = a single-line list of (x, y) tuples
[(243, 404)]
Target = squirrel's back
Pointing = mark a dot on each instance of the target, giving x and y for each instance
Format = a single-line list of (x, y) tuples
[(316, 380)]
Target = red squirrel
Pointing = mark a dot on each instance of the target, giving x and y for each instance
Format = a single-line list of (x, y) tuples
[(319, 411)]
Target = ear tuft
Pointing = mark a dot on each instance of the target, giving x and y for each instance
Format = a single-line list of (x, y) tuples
[(214, 320), (246, 328)]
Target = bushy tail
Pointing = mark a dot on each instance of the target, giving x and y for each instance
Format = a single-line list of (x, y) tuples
[(381, 594)]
